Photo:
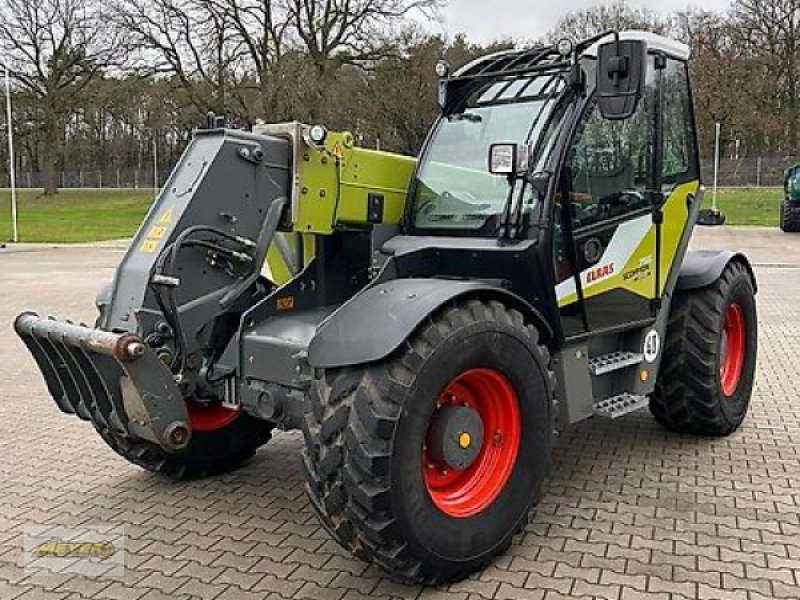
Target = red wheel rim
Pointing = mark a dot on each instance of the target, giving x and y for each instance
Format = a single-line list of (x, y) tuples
[(733, 350), (203, 418), (463, 494)]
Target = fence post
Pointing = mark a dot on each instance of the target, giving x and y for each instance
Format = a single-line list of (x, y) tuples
[(758, 172), (100, 178)]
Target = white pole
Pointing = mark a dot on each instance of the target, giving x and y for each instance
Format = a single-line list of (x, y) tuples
[(716, 167), (11, 162)]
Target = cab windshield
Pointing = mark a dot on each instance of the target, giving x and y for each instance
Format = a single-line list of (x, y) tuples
[(454, 189)]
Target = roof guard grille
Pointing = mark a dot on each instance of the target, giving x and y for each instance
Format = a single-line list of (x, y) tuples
[(516, 61)]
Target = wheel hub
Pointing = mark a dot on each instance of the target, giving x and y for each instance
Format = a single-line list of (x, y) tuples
[(732, 350), (472, 442), (455, 437), (209, 418)]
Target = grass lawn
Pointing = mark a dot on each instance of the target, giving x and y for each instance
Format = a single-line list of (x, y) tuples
[(749, 206), (97, 215), (75, 215)]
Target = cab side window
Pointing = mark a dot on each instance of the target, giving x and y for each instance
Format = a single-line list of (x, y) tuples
[(679, 164), (610, 164)]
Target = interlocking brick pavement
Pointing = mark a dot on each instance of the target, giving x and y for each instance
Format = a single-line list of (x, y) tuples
[(631, 511)]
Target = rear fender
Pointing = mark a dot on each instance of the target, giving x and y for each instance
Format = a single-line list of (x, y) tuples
[(702, 268), (377, 321)]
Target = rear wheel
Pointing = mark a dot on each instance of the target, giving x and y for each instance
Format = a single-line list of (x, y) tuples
[(790, 217), (707, 370), (222, 439), (428, 462)]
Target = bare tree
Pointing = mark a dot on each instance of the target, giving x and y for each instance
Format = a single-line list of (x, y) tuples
[(188, 39), (402, 118), (582, 24), (337, 32), (267, 61), (54, 50), (769, 31)]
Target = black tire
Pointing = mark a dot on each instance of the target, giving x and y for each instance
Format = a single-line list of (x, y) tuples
[(790, 217), (363, 454), (689, 395), (209, 452)]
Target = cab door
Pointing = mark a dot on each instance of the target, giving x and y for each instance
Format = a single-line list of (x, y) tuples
[(606, 247)]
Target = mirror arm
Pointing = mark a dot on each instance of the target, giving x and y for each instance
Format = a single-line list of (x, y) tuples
[(505, 223), (516, 217)]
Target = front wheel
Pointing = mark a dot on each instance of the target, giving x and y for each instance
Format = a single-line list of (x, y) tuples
[(790, 217), (707, 371), (427, 463), (222, 440)]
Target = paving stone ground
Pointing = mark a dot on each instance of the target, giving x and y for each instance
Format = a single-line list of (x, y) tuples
[(630, 512)]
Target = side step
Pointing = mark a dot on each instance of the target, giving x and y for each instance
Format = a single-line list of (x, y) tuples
[(618, 406), (608, 363)]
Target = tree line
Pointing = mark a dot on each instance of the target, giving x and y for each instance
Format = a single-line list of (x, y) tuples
[(104, 85)]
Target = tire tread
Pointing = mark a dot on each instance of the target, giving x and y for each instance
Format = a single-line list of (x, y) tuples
[(686, 398), (353, 498)]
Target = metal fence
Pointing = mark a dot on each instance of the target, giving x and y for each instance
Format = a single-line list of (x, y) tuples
[(749, 172), (753, 172), (114, 178)]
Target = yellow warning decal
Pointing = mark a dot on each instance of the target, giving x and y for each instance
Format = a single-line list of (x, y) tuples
[(157, 232), (285, 303), (149, 246), (166, 217)]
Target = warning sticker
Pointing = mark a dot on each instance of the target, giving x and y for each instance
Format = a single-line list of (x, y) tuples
[(157, 232), (166, 217)]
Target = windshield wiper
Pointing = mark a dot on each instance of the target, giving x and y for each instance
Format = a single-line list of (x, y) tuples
[(459, 217)]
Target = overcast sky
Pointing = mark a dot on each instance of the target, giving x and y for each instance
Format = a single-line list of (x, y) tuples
[(486, 20)]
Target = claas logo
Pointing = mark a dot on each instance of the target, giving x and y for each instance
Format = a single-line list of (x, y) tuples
[(61, 549), (600, 273)]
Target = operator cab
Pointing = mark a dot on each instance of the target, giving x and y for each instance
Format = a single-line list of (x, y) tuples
[(602, 138)]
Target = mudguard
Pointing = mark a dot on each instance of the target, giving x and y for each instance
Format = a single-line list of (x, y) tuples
[(378, 320), (701, 268)]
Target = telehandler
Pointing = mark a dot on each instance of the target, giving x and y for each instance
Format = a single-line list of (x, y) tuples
[(790, 207), (430, 325)]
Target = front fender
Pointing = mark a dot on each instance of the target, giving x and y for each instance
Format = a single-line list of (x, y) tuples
[(701, 268), (377, 321)]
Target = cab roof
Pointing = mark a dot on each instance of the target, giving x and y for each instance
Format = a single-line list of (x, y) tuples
[(513, 60), (668, 46)]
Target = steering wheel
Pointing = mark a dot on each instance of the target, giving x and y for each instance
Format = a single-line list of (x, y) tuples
[(619, 203)]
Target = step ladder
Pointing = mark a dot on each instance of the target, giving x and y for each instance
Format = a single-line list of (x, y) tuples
[(620, 405), (615, 361)]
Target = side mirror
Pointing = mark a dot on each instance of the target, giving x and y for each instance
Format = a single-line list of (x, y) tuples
[(512, 160), (621, 66)]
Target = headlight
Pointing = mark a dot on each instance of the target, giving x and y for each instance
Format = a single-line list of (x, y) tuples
[(317, 135), (565, 47)]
